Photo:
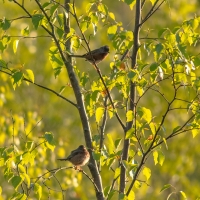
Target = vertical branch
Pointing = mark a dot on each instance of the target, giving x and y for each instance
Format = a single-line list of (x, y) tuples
[(81, 108), (132, 100)]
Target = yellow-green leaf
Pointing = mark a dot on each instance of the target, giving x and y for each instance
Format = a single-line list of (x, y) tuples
[(130, 133), (195, 132), (165, 141), (117, 172), (155, 156), (131, 195), (38, 190), (30, 75), (145, 114), (184, 195), (129, 116), (165, 187), (99, 114), (50, 140), (15, 45), (147, 172)]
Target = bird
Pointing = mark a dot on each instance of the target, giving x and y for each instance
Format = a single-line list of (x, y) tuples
[(95, 56), (78, 157)]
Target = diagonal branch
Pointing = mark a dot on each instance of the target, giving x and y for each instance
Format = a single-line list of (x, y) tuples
[(152, 11), (46, 88)]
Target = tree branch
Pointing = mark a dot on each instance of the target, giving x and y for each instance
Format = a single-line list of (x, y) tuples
[(46, 88), (132, 93)]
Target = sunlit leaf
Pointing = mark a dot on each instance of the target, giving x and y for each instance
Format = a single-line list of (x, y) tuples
[(117, 172), (137, 184), (145, 114), (130, 133), (129, 116), (15, 45), (30, 75), (195, 132), (147, 172), (99, 114), (131, 3), (25, 31), (50, 140), (155, 156), (131, 195), (112, 31), (184, 195), (38, 190)]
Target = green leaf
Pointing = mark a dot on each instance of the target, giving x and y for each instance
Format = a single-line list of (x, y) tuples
[(5, 24), (60, 19), (112, 31), (131, 3), (16, 181), (130, 133), (15, 45), (55, 60), (29, 145), (129, 116), (99, 114), (111, 145), (21, 168), (3, 63), (96, 155), (16, 78), (27, 178), (50, 140), (25, 32), (145, 114), (38, 190), (147, 173), (165, 187), (154, 67), (18, 196), (117, 142), (36, 20), (159, 157), (30, 75)]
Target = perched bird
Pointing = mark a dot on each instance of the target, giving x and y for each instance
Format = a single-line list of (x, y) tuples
[(95, 56), (78, 157)]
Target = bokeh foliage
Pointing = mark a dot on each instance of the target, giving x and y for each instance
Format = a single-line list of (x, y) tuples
[(36, 126)]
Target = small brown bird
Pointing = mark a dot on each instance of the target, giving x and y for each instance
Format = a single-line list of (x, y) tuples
[(95, 56), (78, 157)]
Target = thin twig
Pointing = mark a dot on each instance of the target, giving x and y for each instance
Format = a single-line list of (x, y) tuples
[(46, 88)]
